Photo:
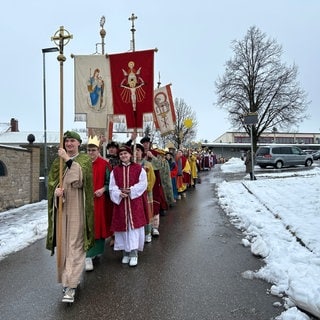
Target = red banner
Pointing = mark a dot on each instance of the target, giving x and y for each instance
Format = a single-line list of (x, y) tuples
[(132, 85)]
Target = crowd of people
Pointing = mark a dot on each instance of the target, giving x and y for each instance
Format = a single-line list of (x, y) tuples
[(120, 197)]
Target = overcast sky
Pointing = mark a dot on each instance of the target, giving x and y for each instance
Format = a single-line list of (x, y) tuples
[(193, 40)]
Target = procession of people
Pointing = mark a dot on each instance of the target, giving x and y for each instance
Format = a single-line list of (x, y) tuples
[(117, 199)]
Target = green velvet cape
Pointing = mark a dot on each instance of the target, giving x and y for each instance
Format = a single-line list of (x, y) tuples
[(53, 180)]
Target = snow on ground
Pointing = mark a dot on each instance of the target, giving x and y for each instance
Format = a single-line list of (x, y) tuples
[(279, 215), (22, 226)]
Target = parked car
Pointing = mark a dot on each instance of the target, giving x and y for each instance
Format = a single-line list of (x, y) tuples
[(282, 156), (316, 155), (308, 151)]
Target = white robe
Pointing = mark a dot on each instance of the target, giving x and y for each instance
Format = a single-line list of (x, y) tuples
[(132, 239)]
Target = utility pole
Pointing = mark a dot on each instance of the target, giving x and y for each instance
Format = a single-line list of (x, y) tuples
[(251, 119)]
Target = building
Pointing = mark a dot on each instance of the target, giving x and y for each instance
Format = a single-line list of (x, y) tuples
[(270, 137), (22, 157), (19, 175), (22, 164), (10, 135), (236, 143)]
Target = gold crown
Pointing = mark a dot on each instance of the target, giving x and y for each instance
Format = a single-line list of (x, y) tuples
[(94, 140)]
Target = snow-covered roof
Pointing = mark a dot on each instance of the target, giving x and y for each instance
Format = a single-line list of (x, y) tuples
[(22, 137), (4, 127)]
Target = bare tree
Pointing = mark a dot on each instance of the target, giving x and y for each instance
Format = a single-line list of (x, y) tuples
[(255, 81), (147, 132), (183, 134)]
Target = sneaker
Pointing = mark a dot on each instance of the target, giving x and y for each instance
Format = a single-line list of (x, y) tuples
[(133, 261), (155, 232), (179, 197), (184, 195), (89, 264), (69, 295), (64, 288), (125, 259), (148, 238)]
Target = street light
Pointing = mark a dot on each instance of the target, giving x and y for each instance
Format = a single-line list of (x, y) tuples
[(44, 51)]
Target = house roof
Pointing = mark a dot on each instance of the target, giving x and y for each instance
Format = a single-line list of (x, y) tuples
[(22, 137), (4, 127)]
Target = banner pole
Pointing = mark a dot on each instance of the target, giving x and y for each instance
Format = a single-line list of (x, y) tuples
[(132, 18), (61, 38)]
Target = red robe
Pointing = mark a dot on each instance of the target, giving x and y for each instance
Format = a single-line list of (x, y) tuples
[(186, 177), (109, 203), (159, 199), (131, 211), (101, 230)]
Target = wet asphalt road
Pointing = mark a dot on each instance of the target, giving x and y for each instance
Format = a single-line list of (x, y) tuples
[(192, 271)]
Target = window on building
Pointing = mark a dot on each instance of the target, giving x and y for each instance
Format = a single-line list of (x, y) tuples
[(3, 169)]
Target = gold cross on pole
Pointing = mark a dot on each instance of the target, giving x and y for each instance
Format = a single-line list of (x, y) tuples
[(61, 38)]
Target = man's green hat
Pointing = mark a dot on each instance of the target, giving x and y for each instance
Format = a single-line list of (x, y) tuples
[(72, 135)]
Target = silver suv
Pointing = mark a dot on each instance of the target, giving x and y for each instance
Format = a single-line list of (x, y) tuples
[(280, 156)]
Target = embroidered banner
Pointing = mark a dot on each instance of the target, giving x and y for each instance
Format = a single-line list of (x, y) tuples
[(93, 94), (132, 85), (163, 110)]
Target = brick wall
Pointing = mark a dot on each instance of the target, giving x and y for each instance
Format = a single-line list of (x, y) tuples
[(20, 184)]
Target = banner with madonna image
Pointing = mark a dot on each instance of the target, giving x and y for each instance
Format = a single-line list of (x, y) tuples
[(93, 94)]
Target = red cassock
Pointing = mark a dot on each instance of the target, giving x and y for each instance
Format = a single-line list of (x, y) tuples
[(159, 199), (129, 210), (101, 227), (186, 176)]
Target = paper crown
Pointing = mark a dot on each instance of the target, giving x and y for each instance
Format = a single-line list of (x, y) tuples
[(94, 140)]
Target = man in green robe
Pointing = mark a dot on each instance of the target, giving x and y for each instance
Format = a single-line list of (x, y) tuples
[(70, 229)]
